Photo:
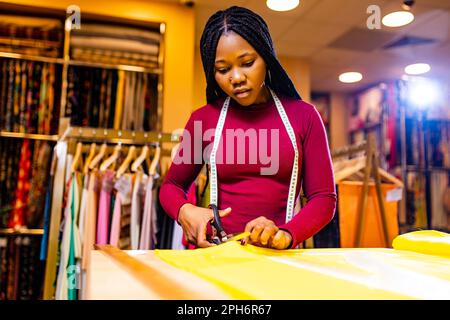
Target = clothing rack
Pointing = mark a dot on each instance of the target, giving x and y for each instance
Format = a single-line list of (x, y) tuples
[(371, 169), (83, 134)]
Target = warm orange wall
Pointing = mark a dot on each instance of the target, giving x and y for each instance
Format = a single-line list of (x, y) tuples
[(179, 57), (299, 71), (199, 94), (339, 121)]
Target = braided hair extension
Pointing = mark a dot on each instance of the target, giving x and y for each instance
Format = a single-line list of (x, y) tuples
[(255, 31)]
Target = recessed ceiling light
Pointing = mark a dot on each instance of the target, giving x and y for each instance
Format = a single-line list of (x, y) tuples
[(397, 19), (417, 68), (350, 77), (282, 5)]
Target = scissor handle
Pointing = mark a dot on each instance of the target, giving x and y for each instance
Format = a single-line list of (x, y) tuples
[(216, 223)]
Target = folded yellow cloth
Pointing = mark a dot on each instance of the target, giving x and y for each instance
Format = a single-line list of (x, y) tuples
[(425, 241)]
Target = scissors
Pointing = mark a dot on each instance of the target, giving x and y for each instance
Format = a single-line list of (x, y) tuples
[(219, 234)]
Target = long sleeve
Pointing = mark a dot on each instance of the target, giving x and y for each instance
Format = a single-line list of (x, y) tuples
[(184, 169), (318, 183)]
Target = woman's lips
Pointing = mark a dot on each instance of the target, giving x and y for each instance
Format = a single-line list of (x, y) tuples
[(243, 94)]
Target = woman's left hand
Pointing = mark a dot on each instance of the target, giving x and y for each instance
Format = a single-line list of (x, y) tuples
[(264, 233)]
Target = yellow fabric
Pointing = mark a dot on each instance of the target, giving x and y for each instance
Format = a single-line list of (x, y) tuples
[(426, 241), (249, 272)]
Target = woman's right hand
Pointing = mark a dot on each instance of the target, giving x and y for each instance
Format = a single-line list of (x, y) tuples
[(194, 221)]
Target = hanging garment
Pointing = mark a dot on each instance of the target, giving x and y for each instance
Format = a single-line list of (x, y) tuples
[(115, 225), (66, 245), (89, 230), (83, 207), (149, 219), (124, 187), (90, 226), (75, 245), (137, 203), (104, 208)]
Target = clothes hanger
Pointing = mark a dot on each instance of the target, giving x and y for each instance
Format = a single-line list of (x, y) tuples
[(139, 160), (112, 159), (98, 157), (152, 169), (89, 158), (126, 163), (77, 159)]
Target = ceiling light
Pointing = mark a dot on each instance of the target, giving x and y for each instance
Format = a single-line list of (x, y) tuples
[(417, 68), (282, 5), (350, 77), (397, 19)]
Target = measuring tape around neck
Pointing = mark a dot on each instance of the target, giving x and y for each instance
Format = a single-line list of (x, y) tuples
[(217, 135)]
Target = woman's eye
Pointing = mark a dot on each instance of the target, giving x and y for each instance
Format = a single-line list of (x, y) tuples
[(248, 64), (222, 71)]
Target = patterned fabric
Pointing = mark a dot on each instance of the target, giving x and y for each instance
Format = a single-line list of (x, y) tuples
[(23, 186)]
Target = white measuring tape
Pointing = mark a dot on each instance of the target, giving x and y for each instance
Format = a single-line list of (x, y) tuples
[(218, 134)]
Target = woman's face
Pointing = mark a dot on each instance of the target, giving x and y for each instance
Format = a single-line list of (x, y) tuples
[(239, 70)]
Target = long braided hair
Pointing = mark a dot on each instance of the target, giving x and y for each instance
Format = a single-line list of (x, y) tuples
[(254, 30)]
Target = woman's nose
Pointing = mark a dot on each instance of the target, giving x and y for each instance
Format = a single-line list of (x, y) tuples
[(237, 76)]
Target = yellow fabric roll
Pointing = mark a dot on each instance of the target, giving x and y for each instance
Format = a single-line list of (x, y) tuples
[(249, 272), (425, 241)]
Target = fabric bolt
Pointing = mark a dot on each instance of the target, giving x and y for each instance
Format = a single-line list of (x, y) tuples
[(40, 174), (17, 218), (337, 274)]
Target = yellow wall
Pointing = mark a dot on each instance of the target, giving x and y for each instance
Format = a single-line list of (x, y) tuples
[(339, 121), (199, 94), (179, 57)]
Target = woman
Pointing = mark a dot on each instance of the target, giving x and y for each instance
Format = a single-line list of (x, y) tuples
[(251, 100)]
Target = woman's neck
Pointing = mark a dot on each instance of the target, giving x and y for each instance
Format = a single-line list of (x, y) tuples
[(264, 96)]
